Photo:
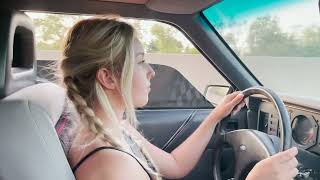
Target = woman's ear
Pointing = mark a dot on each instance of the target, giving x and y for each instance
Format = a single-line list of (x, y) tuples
[(106, 78)]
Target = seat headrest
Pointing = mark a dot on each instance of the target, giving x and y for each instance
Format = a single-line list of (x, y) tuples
[(48, 96), (17, 52)]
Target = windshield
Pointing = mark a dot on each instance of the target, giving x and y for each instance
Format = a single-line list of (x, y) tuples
[(278, 40)]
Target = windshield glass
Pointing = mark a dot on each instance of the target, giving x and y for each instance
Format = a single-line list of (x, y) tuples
[(278, 40)]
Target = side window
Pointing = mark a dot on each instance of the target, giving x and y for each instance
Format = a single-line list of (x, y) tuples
[(170, 89), (182, 73)]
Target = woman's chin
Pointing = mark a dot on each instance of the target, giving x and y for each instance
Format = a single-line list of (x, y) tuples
[(141, 104)]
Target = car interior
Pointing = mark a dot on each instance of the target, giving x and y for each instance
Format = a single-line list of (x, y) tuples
[(31, 107)]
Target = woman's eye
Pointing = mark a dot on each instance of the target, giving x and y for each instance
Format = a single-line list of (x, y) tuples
[(142, 62)]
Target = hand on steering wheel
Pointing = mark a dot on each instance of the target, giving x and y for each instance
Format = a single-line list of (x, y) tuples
[(230, 104), (252, 146), (281, 166)]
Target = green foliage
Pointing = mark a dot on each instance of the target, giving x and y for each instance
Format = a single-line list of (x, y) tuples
[(191, 50), (232, 40), (311, 41), (51, 29), (266, 38), (164, 41)]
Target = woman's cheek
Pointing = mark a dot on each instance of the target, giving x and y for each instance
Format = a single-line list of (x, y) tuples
[(139, 91)]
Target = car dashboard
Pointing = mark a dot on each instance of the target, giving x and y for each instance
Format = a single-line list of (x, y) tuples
[(305, 124)]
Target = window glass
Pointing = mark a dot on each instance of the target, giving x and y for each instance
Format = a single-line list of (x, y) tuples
[(182, 73), (279, 41)]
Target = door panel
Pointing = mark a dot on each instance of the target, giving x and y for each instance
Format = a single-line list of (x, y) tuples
[(169, 128), (174, 111), (158, 126)]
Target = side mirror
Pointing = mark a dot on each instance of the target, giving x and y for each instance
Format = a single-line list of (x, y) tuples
[(215, 93)]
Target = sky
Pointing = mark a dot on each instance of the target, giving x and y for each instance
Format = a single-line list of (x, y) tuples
[(293, 16), (306, 13)]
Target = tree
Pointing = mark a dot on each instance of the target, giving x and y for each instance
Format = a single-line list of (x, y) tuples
[(311, 41), (164, 40), (232, 41), (51, 29), (138, 28), (191, 50), (141, 31), (267, 39)]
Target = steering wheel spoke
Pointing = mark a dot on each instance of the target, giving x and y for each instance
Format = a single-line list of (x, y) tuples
[(249, 147)]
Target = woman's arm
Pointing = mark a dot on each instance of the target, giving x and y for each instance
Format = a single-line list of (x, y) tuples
[(182, 160)]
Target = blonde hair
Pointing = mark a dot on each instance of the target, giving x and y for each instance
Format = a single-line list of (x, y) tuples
[(90, 45)]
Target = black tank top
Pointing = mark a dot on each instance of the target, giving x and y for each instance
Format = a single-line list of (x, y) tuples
[(74, 169)]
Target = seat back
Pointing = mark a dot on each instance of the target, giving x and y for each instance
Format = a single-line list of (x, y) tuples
[(30, 148)]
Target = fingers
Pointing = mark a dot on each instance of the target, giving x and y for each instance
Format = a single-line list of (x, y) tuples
[(281, 166), (242, 103), (293, 173), (239, 107), (237, 99), (293, 163), (233, 95), (285, 156)]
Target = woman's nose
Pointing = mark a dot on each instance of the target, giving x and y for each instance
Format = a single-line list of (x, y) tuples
[(151, 72)]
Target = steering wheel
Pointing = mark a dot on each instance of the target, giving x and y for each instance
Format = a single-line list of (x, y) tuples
[(251, 146)]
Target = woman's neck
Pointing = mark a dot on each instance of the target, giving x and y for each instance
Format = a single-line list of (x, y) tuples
[(118, 109)]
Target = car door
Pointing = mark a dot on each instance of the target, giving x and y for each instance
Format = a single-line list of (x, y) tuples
[(174, 111)]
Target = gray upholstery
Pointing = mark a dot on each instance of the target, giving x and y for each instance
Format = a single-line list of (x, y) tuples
[(49, 96), (17, 67), (30, 148)]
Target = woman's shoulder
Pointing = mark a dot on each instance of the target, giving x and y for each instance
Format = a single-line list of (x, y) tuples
[(109, 163), (103, 162), (80, 148)]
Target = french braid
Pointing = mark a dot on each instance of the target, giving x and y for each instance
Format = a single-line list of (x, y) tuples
[(87, 115)]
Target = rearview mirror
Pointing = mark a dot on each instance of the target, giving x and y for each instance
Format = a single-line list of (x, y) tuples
[(215, 93)]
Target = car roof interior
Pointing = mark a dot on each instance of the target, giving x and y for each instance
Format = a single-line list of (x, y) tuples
[(124, 8)]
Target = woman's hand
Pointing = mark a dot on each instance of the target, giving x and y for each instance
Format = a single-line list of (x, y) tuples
[(281, 166), (228, 105)]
